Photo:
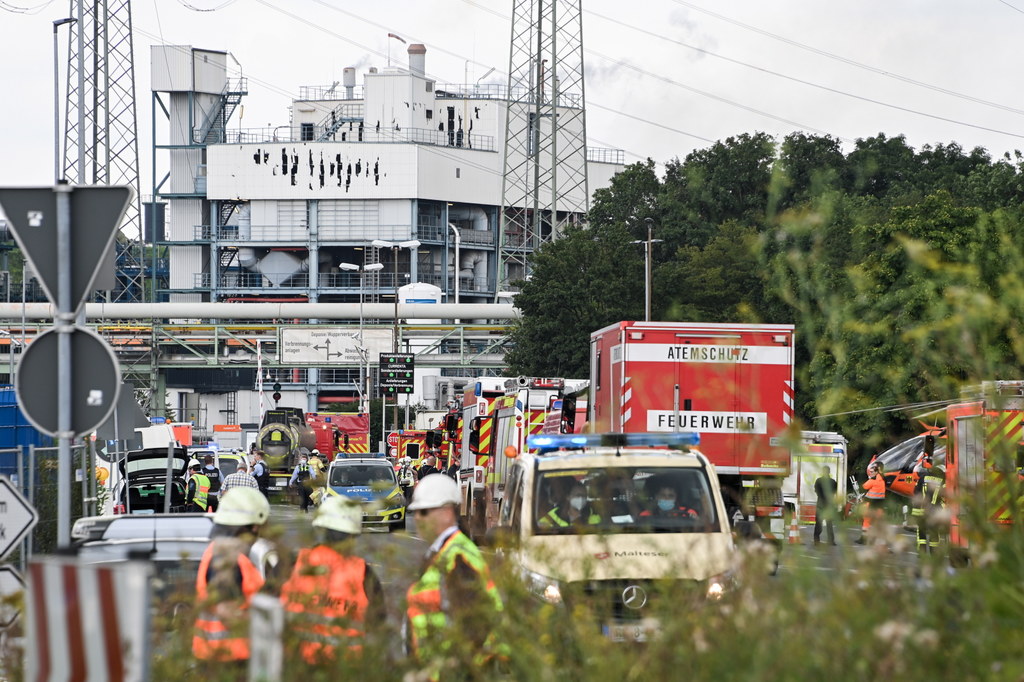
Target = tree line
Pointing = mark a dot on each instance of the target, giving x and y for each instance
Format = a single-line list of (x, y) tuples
[(900, 268)]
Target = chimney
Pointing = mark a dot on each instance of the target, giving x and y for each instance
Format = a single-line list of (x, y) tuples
[(418, 59), (348, 79)]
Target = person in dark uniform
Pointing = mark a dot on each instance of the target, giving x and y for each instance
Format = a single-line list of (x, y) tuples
[(261, 472), (825, 506)]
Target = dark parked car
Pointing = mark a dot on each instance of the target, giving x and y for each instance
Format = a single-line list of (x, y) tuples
[(143, 478)]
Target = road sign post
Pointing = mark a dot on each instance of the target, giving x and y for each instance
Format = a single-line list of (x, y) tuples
[(17, 517), (66, 261)]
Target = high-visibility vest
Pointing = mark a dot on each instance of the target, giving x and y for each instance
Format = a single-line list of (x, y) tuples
[(202, 496), (213, 639), (327, 596), (427, 600), (874, 488), (553, 519)]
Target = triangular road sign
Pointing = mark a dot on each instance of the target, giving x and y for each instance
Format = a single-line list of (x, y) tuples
[(96, 213)]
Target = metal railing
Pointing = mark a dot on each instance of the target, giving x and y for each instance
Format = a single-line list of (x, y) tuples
[(330, 93), (606, 155), (243, 279), (438, 233), (385, 135), (499, 92)]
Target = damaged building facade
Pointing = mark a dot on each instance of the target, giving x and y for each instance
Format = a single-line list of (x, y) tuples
[(271, 214)]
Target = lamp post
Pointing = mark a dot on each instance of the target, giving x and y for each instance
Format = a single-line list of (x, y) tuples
[(364, 405), (412, 245), (647, 267), (56, 100)]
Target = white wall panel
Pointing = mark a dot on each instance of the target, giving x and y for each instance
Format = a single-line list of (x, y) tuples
[(185, 215), (447, 174), (293, 171), (171, 68), (185, 263), (210, 71)]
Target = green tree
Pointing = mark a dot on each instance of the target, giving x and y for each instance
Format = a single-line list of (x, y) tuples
[(587, 280)]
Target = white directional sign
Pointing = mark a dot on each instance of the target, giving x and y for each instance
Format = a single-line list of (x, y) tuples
[(10, 585), (331, 345), (17, 517)]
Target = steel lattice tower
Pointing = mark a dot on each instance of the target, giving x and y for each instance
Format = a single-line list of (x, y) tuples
[(544, 185), (101, 143)]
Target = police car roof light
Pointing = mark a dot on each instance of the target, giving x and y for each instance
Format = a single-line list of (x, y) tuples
[(546, 443)]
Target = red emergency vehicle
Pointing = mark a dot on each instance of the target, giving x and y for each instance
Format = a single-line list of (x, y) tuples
[(984, 463), (348, 434), (521, 410), (730, 383)]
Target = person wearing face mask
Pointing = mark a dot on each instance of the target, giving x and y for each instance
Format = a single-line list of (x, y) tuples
[(665, 506), (300, 479), (575, 511)]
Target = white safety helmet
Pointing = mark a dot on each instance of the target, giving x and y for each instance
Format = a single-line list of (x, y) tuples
[(242, 507), (340, 513), (315, 452), (192, 463), (435, 490)]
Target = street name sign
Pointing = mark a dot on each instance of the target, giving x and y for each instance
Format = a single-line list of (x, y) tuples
[(304, 345), (17, 517), (96, 212)]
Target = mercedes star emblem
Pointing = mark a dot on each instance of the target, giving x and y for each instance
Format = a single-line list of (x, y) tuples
[(634, 597)]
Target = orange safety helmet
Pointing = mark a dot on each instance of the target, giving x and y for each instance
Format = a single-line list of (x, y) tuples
[(102, 474)]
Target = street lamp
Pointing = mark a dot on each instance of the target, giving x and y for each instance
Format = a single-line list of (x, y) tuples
[(364, 406), (412, 245), (647, 267), (56, 100)]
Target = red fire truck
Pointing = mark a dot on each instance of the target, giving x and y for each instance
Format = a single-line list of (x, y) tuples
[(983, 463), (730, 383), (519, 411), (347, 434)]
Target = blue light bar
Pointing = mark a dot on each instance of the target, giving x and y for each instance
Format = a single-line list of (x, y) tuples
[(546, 443)]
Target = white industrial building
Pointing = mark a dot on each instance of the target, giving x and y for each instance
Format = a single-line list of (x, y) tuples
[(271, 214)]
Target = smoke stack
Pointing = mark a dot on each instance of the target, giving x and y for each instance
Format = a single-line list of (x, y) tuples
[(418, 59), (348, 79)]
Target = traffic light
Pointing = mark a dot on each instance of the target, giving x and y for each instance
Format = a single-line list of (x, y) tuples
[(277, 388), (276, 397)]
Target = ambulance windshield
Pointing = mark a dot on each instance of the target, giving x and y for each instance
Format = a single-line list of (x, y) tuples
[(625, 500)]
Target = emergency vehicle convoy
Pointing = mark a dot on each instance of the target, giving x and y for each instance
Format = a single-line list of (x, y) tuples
[(498, 424), (732, 384)]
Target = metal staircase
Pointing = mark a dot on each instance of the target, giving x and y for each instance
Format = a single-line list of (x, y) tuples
[(350, 112), (214, 128)]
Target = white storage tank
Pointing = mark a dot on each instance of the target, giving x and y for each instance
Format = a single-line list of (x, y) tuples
[(420, 293)]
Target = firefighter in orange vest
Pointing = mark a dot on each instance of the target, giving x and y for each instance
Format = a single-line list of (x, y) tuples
[(228, 579), (453, 606), (874, 492), (333, 597)]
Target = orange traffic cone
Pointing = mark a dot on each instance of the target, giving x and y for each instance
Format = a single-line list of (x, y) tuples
[(794, 530)]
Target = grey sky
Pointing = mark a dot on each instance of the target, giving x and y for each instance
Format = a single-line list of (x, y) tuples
[(639, 65)]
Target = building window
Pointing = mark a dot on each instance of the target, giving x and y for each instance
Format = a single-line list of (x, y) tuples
[(458, 173), (430, 114), (307, 132)]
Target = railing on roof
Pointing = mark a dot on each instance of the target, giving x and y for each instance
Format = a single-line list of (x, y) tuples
[(499, 92), (329, 93), (606, 155), (386, 135)]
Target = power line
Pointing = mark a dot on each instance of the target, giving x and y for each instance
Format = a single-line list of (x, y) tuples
[(846, 60), (1015, 9), (802, 81)]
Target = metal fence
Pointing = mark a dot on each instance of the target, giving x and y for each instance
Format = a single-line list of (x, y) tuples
[(33, 471)]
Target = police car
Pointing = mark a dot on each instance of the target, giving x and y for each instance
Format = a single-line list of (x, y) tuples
[(372, 482)]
